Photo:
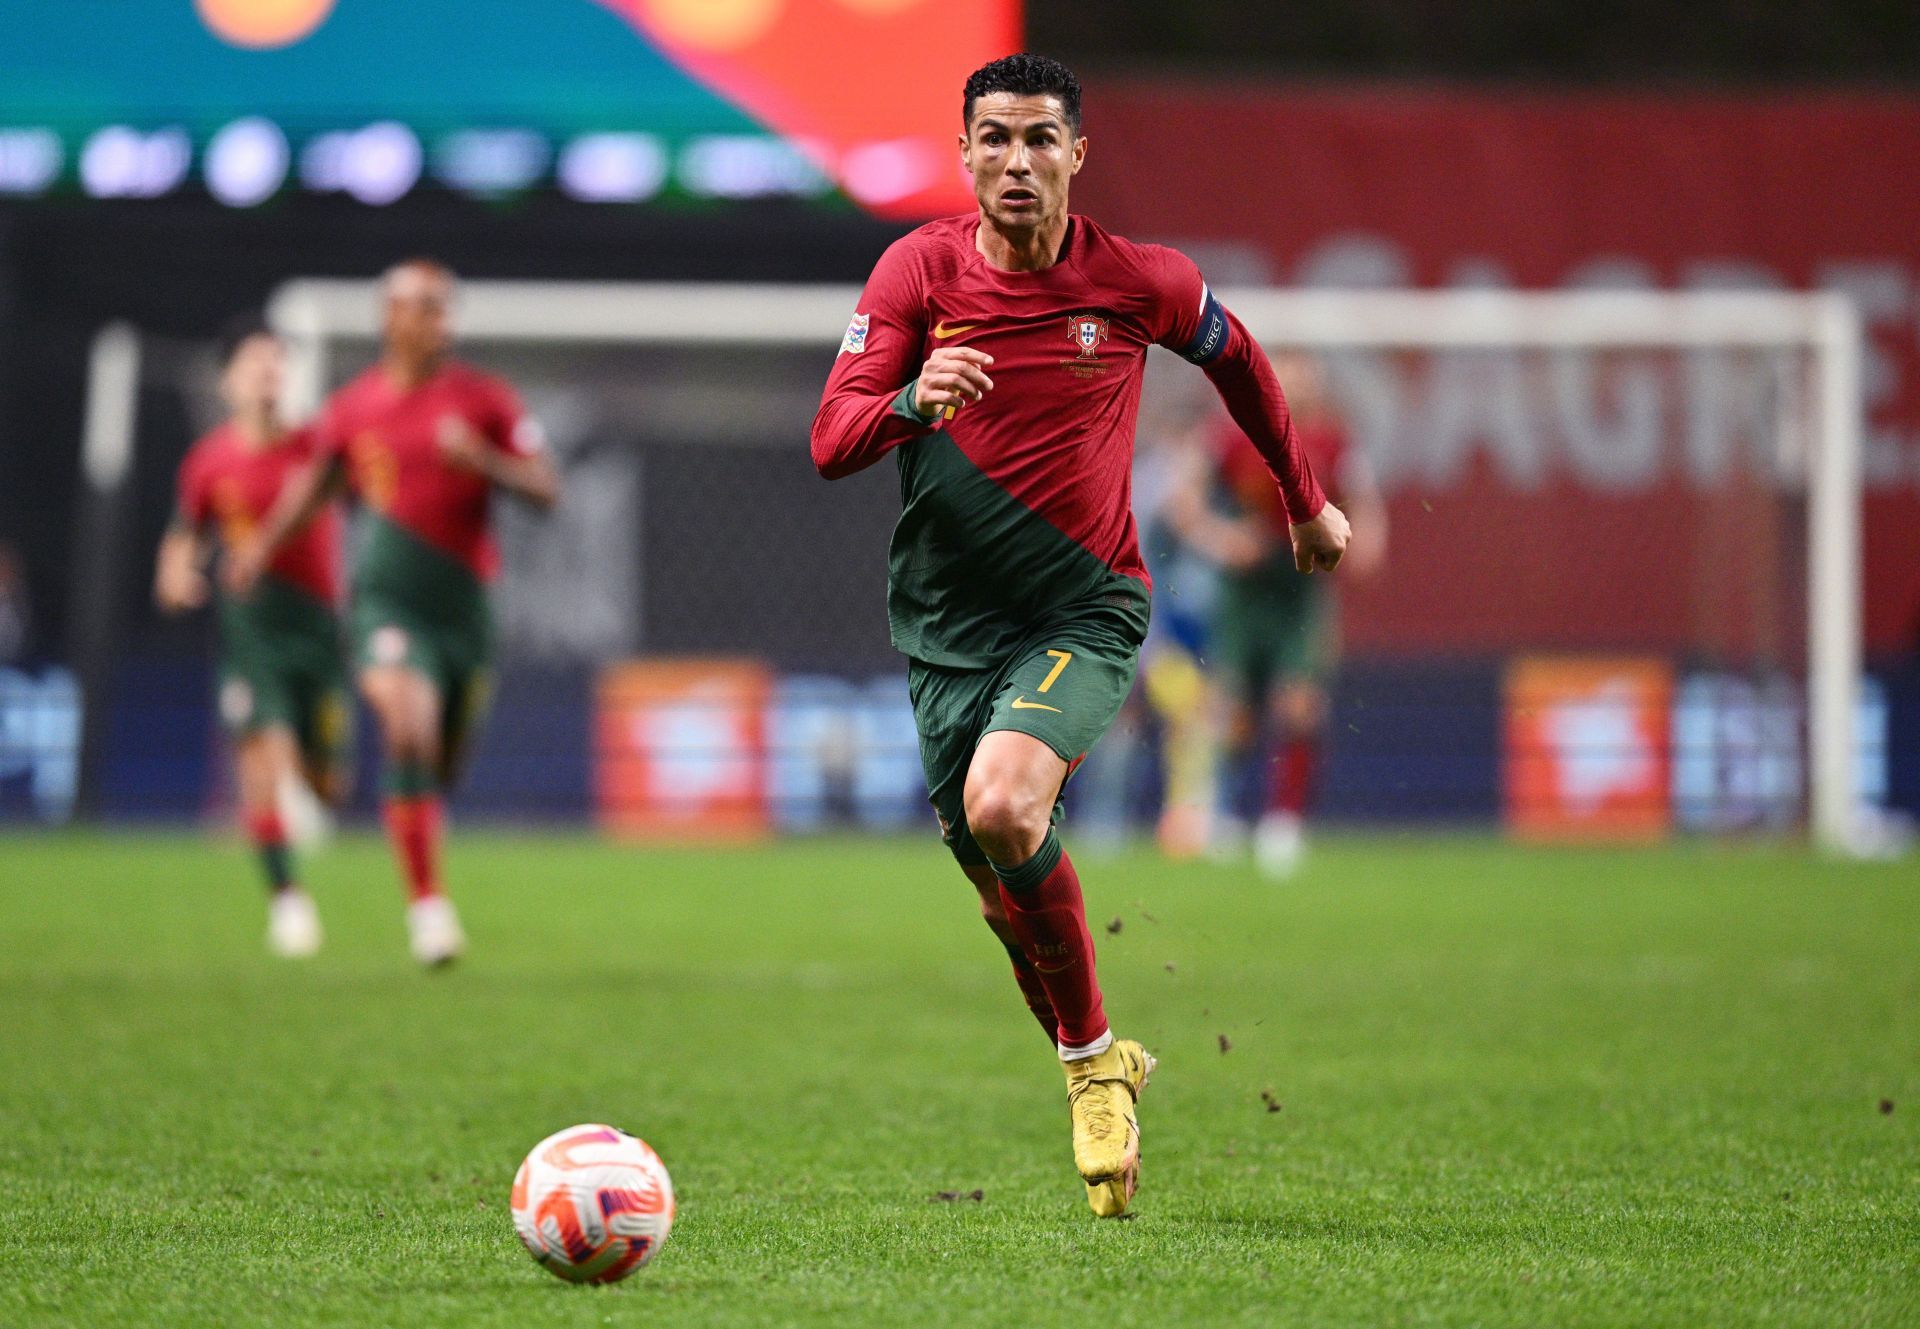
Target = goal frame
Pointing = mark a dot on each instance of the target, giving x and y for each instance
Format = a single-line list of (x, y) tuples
[(314, 312)]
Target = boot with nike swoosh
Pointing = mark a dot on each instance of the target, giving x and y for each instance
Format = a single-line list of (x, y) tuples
[(1101, 1092)]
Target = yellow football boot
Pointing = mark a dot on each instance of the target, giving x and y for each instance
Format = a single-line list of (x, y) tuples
[(1101, 1092)]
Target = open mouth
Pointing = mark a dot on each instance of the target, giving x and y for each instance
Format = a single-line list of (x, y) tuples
[(1019, 198)]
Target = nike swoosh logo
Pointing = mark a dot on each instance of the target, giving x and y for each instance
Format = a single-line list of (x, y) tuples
[(941, 331), (1055, 969), (1022, 704)]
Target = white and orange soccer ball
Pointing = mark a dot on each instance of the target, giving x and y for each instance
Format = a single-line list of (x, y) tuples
[(592, 1204)]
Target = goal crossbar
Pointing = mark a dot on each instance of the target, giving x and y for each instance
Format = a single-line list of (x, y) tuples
[(312, 313)]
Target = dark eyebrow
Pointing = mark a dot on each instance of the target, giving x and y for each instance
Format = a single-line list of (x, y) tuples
[(988, 122)]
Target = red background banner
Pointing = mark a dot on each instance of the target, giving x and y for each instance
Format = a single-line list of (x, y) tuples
[(1454, 188)]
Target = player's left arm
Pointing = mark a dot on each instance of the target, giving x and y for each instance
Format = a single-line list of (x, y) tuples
[(508, 447), (1194, 324)]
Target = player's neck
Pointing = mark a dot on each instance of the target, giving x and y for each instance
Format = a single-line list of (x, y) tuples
[(1029, 249), (258, 429), (407, 373)]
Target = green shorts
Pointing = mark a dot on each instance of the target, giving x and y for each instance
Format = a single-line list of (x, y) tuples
[(280, 666), (1270, 627), (1063, 684), (454, 652)]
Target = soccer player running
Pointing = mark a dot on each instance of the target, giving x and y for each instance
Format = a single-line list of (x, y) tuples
[(282, 687), (999, 356), (423, 441), (1273, 638)]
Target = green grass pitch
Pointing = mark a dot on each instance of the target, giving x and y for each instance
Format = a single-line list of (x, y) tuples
[(1429, 1083)]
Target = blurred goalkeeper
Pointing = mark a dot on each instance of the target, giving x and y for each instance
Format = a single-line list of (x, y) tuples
[(282, 688), (423, 442), (998, 356)]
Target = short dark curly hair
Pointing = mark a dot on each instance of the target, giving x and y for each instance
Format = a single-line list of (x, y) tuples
[(237, 331), (1024, 75)]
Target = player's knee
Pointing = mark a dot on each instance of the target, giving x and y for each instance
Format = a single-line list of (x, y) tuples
[(1238, 727), (1301, 708), (331, 783), (414, 745), (1006, 818)]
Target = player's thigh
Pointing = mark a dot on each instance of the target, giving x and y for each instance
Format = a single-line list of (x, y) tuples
[(397, 667), (1239, 661), (405, 702), (949, 708), (1065, 691), (1304, 635), (1013, 793), (259, 703)]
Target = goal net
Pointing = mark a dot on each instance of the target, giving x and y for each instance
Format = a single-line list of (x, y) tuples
[(1621, 593)]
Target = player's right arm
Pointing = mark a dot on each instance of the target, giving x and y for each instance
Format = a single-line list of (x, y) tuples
[(310, 489), (179, 574), (1194, 325), (877, 396), (179, 571)]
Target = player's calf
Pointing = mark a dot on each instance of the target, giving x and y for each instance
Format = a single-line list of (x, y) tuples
[(1032, 990)]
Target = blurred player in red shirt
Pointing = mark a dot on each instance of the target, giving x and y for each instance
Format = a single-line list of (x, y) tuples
[(423, 441), (282, 688), (998, 357), (1274, 636)]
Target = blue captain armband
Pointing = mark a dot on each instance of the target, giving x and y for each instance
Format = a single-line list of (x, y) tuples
[(1211, 337)]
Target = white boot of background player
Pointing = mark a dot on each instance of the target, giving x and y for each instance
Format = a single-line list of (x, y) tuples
[(293, 924), (309, 824), (1279, 844), (433, 931)]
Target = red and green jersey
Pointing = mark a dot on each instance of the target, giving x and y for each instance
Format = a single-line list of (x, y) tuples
[(229, 485), (430, 545), (1020, 504)]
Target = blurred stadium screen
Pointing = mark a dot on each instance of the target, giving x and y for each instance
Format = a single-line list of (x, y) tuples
[(609, 101)]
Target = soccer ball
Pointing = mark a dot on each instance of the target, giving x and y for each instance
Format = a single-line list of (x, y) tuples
[(592, 1204)]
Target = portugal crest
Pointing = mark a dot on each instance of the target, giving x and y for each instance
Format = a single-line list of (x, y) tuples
[(1087, 332)]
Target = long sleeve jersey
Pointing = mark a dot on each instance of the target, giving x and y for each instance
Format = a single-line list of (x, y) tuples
[(1020, 504)]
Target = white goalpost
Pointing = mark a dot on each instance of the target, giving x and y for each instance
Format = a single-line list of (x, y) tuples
[(1817, 425)]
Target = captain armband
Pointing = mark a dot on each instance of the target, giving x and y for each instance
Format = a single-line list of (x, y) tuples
[(1210, 338)]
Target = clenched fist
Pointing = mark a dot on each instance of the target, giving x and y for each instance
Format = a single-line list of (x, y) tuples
[(1319, 544), (951, 377)]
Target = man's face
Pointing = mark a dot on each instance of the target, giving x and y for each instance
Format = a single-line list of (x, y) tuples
[(251, 381), (419, 313), (1021, 153)]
